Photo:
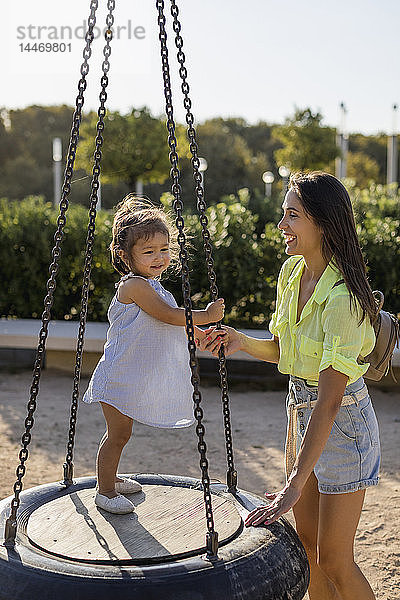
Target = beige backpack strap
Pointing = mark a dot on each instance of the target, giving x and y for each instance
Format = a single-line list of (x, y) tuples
[(379, 299)]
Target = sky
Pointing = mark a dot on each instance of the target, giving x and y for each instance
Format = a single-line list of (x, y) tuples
[(258, 60)]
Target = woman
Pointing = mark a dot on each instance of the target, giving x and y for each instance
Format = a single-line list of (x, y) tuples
[(321, 327)]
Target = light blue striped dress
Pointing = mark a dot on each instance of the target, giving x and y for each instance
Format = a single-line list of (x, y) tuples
[(144, 371)]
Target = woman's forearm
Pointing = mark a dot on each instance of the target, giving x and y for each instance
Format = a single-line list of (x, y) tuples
[(267, 350)]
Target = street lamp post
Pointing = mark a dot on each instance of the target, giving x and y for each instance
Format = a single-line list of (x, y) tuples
[(57, 158), (98, 205), (342, 141), (139, 187), (392, 154), (268, 179), (284, 172), (202, 169)]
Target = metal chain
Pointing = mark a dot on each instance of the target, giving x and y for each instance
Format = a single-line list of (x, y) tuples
[(11, 522), (212, 535), (68, 465), (201, 207)]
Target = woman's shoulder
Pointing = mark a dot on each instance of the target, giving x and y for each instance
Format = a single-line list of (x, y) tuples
[(289, 266), (347, 309)]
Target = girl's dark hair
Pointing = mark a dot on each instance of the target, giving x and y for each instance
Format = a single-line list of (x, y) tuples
[(137, 218), (325, 199)]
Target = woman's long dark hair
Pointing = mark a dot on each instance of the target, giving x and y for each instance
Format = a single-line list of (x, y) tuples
[(325, 199)]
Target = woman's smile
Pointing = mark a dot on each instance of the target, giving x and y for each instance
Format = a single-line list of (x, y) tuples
[(289, 238)]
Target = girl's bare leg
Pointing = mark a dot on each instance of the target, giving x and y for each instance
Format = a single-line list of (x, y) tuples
[(118, 433), (306, 513), (339, 515)]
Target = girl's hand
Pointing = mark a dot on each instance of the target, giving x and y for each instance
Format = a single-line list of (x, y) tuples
[(216, 310), (227, 336), (281, 502)]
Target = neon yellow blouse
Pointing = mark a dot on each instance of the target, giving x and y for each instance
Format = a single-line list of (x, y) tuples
[(327, 333)]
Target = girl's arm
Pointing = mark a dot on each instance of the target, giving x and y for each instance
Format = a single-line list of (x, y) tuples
[(331, 388), (139, 291), (233, 341)]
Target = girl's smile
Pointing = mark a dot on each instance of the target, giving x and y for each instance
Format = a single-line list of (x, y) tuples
[(150, 256)]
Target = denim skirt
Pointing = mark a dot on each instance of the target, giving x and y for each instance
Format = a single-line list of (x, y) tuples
[(351, 457)]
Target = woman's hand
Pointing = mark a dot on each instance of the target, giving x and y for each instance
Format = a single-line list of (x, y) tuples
[(214, 337), (216, 310), (281, 503)]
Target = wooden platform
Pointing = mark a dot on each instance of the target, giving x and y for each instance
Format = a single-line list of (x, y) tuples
[(168, 522)]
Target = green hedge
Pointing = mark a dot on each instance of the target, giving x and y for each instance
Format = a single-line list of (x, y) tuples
[(26, 239), (248, 254)]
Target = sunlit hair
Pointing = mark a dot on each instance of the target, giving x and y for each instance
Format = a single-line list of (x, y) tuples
[(325, 199), (135, 219)]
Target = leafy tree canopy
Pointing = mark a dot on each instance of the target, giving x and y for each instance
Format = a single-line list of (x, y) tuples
[(307, 144), (362, 169), (231, 163), (135, 147), (373, 146), (4, 142), (32, 130)]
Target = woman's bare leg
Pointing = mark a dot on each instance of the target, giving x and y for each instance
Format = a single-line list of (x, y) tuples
[(339, 515), (306, 513), (119, 429)]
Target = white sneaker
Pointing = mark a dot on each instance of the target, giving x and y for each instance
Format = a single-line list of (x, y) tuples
[(127, 486), (118, 505)]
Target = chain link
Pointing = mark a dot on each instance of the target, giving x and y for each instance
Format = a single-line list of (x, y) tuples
[(11, 522), (201, 207), (68, 465), (212, 535)]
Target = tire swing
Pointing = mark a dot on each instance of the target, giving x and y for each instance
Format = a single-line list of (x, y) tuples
[(59, 545)]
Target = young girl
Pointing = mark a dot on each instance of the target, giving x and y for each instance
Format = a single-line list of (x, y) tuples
[(144, 372), (322, 330)]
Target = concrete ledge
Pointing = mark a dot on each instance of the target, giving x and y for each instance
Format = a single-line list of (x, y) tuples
[(24, 333), (62, 336), (19, 339)]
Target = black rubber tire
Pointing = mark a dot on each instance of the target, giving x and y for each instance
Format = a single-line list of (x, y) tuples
[(263, 563)]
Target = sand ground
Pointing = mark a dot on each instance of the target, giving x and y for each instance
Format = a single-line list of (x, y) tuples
[(258, 423)]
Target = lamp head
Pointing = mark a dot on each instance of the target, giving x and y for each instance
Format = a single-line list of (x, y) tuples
[(268, 177)]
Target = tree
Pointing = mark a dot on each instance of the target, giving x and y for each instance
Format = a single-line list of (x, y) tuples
[(29, 149), (13, 186), (32, 130), (362, 169), (374, 146), (307, 145), (258, 137), (231, 164), (4, 141), (135, 147)]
